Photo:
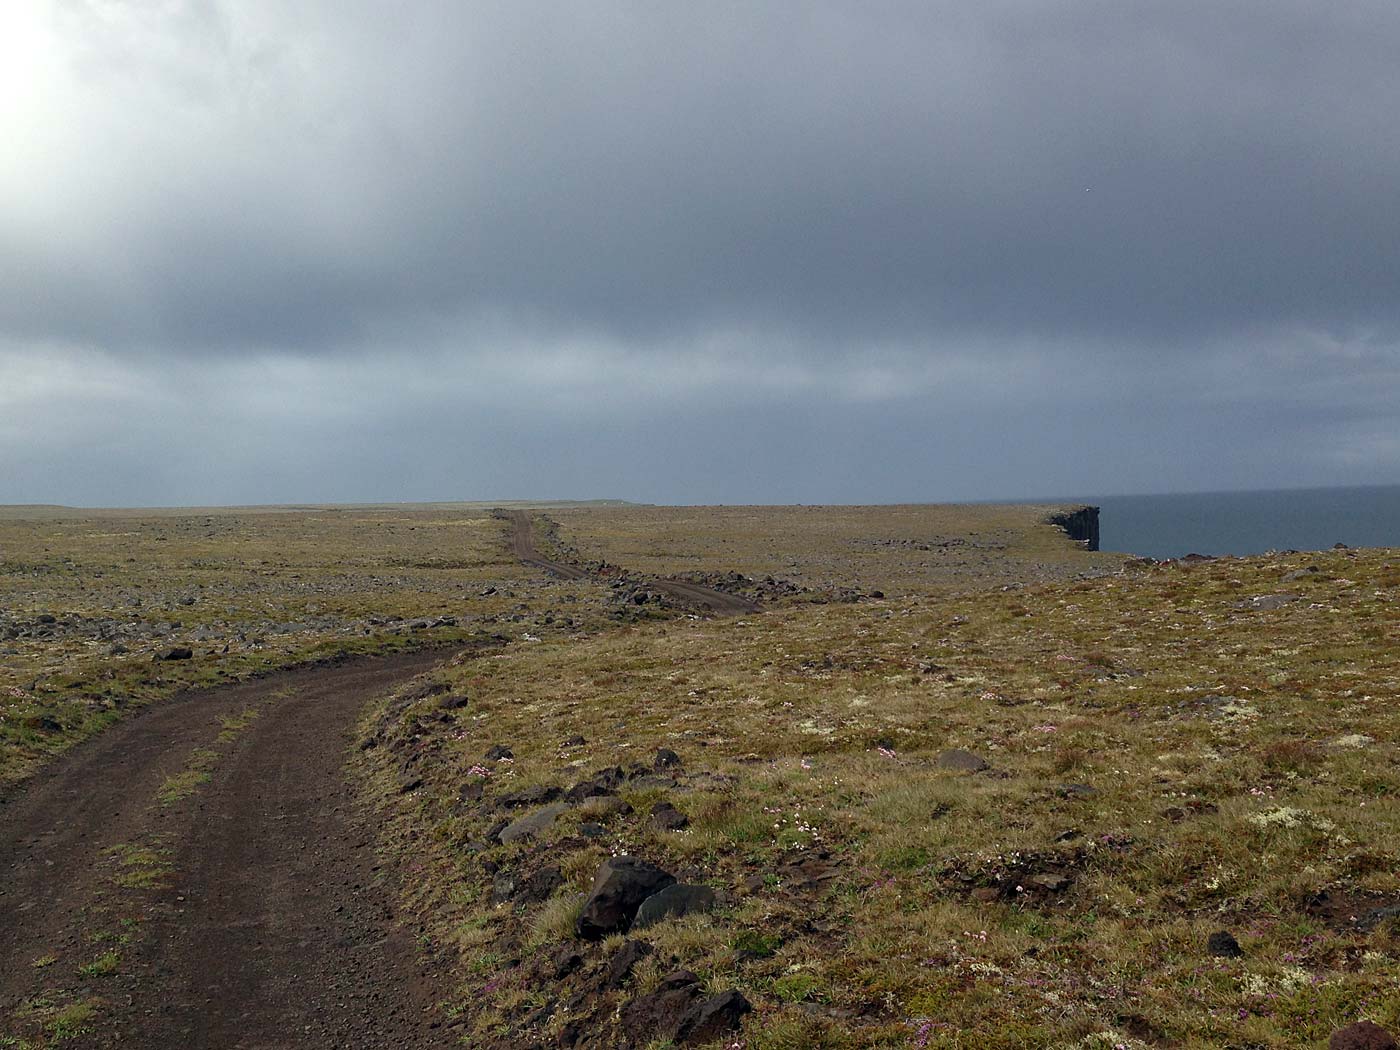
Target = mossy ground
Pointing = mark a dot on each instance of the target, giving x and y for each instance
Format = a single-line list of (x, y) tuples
[(1165, 760)]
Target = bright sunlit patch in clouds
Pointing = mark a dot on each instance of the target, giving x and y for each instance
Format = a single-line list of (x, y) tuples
[(28, 57)]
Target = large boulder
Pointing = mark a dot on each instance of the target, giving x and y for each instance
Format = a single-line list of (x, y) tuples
[(619, 888), (674, 902), (959, 761)]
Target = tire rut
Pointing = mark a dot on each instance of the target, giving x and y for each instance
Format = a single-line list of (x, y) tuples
[(268, 922)]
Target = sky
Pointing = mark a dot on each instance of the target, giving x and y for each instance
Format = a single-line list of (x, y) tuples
[(305, 251)]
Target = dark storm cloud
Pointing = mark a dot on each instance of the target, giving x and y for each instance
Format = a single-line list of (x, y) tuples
[(353, 250), (1125, 171)]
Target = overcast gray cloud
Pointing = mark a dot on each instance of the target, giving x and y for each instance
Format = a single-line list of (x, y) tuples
[(352, 250)]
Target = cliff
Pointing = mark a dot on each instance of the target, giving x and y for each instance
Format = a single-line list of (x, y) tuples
[(1080, 523)]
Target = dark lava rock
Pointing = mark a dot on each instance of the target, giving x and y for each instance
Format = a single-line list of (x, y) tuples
[(535, 888), (472, 791), (1363, 1035), (493, 833), (498, 752), (658, 1014), (619, 888), (590, 830), (45, 724), (1222, 943), (711, 1018), (574, 741), (453, 702), (409, 782), (1076, 791), (665, 759), (674, 902), (566, 961), (1051, 883), (622, 963), (680, 1011), (960, 761), (531, 796), (1268, 602), (178, 653), (528, 827), (603, 782), (666, 817), (424, 690)]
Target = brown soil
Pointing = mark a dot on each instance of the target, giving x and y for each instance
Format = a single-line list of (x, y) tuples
[(271, 926), (682, 591)]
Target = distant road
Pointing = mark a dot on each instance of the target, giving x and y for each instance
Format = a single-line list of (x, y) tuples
[(717, 602)]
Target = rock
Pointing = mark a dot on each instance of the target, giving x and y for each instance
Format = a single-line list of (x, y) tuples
[(453, 702), (1363, 1035), (959, 761), (1300, 574), (529, 826), (498, 752), (658, 1014), (1222, 943), (619, 888), (178, 653), (531, 796), (711, 1018), (1050, 882), (44, 724), (674, 902), (666, 817), (1075, 790), (574, 741), (986, 894), (606, 807), (424, 690), (493, 833), (409, 782), (620, 966), (604, 782), (665, 759), (1268, 602), (565, 961)]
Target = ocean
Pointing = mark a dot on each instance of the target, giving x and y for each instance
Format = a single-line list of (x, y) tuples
[(1248, 522)]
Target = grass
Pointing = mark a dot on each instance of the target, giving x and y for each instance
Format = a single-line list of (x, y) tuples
[(1164, 762)]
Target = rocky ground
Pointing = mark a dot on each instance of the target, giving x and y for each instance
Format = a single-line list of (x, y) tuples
[(1035, 797)]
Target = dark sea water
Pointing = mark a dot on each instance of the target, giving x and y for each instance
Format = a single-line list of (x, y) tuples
[(1249, 522)]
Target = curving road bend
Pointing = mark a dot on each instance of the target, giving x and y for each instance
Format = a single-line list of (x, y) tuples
[(693, 594)]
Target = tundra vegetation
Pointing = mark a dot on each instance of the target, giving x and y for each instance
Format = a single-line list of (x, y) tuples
[(1029, 796)]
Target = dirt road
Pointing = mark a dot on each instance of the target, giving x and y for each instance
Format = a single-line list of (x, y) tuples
[(717, 602), (199, 876)]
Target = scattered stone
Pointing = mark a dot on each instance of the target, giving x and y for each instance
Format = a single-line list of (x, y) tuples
[(1075, 791), (1050, 882), (566, 961), (493, 833), (424, 690), (986, 894), (666, 817), (498, 752), (574, 741), (709, 1019), (1222, 944), (409, 782), (959, 761), (1300, 574), (1268, 602), (605, 807), (604, 782), (178, 653), (1363, 1035), (619, 888), (665, 759), (658, 1014), (45, 724), (453, 702), (589, 830), (622, 963), (531, 796), (674, 902), (529, 826)]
